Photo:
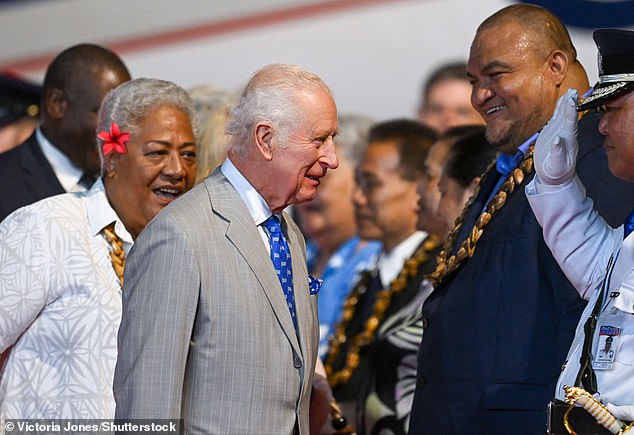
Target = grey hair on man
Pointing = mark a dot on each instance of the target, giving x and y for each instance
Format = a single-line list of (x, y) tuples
[(270, 95)]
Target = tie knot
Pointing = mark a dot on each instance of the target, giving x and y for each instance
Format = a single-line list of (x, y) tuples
[(506, 163), (272, 224)]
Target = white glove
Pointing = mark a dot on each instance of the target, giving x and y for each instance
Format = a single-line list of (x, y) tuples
[(621, 412), (556, 147)]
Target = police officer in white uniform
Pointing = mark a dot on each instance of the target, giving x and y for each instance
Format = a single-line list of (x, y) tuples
[(597, 259)]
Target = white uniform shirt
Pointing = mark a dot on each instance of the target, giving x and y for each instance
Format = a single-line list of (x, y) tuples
[(60, 308), (582, 243)]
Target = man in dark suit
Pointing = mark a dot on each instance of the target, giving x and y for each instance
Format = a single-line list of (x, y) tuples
[(62, 155), (502, 315)]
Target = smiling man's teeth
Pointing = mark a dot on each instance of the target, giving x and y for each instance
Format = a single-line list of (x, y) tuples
[(494, 109)]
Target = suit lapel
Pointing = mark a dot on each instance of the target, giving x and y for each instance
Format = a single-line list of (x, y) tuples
[(242, 232), (303, 306), (39, 177), (487, 184)]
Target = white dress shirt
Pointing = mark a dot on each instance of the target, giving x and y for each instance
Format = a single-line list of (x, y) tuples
[(60, 309), (391, 263), (582, 243), (258, 208), (65, 170)]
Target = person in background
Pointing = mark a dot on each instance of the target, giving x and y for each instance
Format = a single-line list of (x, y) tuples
[(468, 158), (61, 155), (62, 258), (328, 223), (428, 192), (389, 401), (213, 106), (19, 108), (363, 353), (445, 99), (220, 326), (596, 257), (499, 326)]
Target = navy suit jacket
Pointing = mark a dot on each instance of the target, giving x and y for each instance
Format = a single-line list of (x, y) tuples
[(25, 177), (498, 329)]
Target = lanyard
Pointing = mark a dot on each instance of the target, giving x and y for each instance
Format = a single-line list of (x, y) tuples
[(586, 375), (608, 278)]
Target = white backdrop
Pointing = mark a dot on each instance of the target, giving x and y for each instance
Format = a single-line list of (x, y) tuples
[(374, 55)]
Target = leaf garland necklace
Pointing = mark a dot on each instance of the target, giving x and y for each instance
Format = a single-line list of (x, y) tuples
[(446, 265), (382, 303)]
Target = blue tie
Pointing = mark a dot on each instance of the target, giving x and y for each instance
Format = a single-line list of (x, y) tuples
[(628, 227), (505, 164), (281, 257)]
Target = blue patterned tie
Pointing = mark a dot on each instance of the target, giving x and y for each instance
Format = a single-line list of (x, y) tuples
[(628, 227), (281, 257)]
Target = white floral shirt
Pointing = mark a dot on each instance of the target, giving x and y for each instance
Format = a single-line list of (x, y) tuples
[(60, 308)]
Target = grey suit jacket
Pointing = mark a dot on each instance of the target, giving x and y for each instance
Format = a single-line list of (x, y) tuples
[(206, 335)]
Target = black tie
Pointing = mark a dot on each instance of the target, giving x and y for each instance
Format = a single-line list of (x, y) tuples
[(86, 181)]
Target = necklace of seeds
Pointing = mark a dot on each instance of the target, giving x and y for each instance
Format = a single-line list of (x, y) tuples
[(382, 303), (446, 265)]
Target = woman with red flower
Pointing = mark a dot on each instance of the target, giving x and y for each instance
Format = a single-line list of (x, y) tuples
[(62, 258)]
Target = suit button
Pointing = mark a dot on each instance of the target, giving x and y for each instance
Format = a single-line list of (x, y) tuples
[(297, 362), (425, 322), (420, 381)]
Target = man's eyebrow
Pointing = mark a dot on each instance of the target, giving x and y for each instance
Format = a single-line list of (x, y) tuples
[(494, 64)]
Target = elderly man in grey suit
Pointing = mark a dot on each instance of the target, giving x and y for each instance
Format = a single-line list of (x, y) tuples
[(209, 333)]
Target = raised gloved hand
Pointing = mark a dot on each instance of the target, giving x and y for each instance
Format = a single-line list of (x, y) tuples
[(556, 147)]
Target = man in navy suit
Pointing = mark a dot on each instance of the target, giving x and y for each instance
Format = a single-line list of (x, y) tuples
[(501, 318), (61, 155)]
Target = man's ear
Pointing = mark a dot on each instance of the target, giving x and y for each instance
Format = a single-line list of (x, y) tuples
[(264, 139), (558, 66), (56, 103)]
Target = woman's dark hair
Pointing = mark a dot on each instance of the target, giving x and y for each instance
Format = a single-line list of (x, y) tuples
[(469, 157)]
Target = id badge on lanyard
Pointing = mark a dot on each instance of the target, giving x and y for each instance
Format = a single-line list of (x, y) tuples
[(606, 341), (608, 332)]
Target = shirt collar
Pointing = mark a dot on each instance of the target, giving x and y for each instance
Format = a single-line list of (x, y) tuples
[(526, 145), (505, 163), (101, 214), (390, 264), (65, 170), (257, 206)]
